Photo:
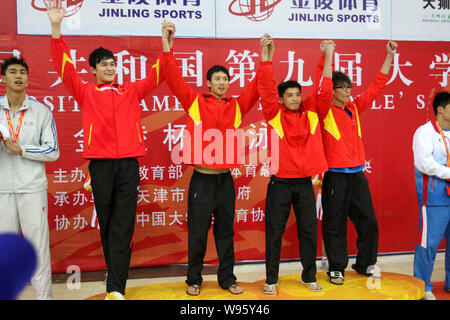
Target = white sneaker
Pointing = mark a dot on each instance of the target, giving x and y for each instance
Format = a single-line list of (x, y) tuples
[(114, 296), (429, 296)]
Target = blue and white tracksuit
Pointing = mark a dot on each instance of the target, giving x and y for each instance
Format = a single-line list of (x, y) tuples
[(23, 183), (431, 173)]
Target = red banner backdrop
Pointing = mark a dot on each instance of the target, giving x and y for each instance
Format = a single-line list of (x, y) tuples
[(420, 69)]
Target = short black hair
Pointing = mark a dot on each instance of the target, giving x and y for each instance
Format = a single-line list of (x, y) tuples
[(215, 69), (13, 60), (441, 99), (283, 86), (98, 55), (340, 77)]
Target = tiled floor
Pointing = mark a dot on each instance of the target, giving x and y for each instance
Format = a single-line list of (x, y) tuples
[(244, 272)]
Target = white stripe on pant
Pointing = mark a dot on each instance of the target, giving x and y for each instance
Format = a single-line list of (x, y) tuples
[(27, 212)]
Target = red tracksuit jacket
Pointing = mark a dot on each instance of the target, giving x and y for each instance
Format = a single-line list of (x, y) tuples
[(301, 151), (111, 114), (211, 125), (342, 133)]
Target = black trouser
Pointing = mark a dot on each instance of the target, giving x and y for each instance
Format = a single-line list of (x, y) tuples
[(281, 194), (347, 195), (115, 185), (211, 194)]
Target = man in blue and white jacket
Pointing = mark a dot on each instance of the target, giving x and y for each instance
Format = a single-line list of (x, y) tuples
[(27, 140), (431, 147)]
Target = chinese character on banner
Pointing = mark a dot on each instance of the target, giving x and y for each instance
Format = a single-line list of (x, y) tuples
[(444, 4), (250, 170), (260, 137), (158, 172), (191, 66), (175, 171), (241, 215), (158, 219), (142, 218), (77, 175), (60, 176), (61, 198), (136, 66), (175, 219), (257, 215), (143, 195), (160, 195), (370, 4), (442, 65), (347, 63), (292, 65), (143, 172), (244, 193), (79, 137), (323, 4), (397, 72), (79, 222), (429, 3), (73, 56), (347, 4), (368, 166), (242, 66), (79, 198), (235, 172), (301, 4), (174, 135), (61, 223), (265, 170), (177, 195)]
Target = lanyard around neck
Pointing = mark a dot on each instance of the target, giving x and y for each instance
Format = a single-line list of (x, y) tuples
[(439, 129), (15, 134)]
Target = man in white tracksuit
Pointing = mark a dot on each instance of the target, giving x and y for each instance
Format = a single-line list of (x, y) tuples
[(27, 140), (431, 147)]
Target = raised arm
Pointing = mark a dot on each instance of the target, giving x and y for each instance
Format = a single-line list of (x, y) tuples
[(62, 60), (391, 50), (324, 91), (175, 81), (156, 76), (365, 99), (55, 12), (267, 88)]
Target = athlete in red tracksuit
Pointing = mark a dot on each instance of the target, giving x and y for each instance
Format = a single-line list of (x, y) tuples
[(345, 190), (210, 145), (113, 139), (300, 156)]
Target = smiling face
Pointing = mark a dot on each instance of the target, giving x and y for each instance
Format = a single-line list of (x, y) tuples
[(105, 71), (15, 78), (218, 85), (291, 98)]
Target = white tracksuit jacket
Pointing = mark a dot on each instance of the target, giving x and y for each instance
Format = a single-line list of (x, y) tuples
[(39, 143)]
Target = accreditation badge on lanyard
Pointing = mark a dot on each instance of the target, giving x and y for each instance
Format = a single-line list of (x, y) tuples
[(444, 140), (15, 134)]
